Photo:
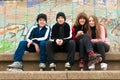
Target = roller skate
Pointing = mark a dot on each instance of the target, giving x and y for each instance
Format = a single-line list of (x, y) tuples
[(91, 67), (67, 66), (52, 66), (103, 66), (15, 66), (81, 64), (94, 58), (42, 66)]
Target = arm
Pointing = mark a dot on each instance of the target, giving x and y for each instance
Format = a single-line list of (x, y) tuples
[(102, 35), (29, 35), (45, 37), (53, 34), (73, 34), (67, 33)]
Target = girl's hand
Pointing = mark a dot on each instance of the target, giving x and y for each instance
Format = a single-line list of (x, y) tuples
[(79, 33)]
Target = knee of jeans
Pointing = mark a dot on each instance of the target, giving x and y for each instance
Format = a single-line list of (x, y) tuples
[(85, 35), (48, 43), (23, 42), (72, 42), (81, 41), (100, 43), (42, 43)]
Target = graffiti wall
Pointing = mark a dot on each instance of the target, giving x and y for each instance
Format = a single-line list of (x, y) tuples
[(17, 17)]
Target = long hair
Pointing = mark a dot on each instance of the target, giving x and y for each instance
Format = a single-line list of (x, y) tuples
[(97, 25), (80, 16)]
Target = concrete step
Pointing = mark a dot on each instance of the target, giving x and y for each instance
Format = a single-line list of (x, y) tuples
[(60, 75), (31, 61)]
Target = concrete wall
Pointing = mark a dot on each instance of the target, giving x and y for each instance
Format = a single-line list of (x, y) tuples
[(17, 16)]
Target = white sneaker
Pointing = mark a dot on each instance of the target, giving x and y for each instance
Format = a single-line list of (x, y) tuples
[(52, 65), (42, 65), (91, 67), (67, 64), (103, 66), (16, 64)]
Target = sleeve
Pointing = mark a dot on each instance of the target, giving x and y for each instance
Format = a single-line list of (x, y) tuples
[(30, 33), (68, 32), (45, 37), (52, 35), (73, 34), (102, 35)]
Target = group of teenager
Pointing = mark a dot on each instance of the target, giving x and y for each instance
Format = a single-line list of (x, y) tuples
[(87, 37)]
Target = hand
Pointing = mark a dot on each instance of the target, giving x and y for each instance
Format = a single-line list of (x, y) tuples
[(29, 43), (37, 48), (79, 33), (59, 42)]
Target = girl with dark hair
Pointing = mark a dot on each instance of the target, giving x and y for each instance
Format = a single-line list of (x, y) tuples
[(83, 43)]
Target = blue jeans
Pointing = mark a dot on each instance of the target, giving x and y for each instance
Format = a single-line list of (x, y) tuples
[(22, 47)]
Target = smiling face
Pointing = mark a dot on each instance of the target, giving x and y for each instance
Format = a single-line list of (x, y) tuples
[(60, 20), (82, 21), (91, 22), (41, 22)]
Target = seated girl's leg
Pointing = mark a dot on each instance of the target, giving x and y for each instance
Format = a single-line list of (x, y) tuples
[(93, 58)]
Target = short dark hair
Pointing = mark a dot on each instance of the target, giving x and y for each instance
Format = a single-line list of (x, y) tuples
[(42, 15), (60, 14)]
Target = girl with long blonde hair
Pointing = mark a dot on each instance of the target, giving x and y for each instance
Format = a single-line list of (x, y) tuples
[(100, 42)]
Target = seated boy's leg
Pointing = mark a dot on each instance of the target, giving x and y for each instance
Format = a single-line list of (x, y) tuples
[(20, 51), (42, 54), (71, 51), (50, 54), (17, 64)]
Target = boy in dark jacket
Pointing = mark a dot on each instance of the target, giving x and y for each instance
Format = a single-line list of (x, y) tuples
[(35, 42), (61, 40)]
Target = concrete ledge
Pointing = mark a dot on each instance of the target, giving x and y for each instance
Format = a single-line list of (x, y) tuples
[(58, 56), (34, 75), (94, 75), (61, 75)]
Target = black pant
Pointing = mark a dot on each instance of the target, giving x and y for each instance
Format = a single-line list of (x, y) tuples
[(101, 48), (84, 45), (69, 47)]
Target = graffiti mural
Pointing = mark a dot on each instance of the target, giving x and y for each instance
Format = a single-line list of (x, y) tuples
[(18, 16)]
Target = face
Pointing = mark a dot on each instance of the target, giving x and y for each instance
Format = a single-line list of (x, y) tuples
[(82, 21), (41, 22), (91, 22), (60, 20)]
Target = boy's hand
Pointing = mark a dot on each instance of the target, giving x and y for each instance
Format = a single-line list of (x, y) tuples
[(29, 43), (37, 48), (59, 42)]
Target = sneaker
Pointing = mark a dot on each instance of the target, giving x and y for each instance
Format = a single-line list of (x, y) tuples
[(52, 65), (42, 65), (81, 64), (67, 66), (91, 67), (103, 66), (16, 65)]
